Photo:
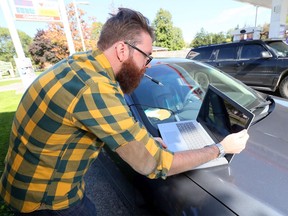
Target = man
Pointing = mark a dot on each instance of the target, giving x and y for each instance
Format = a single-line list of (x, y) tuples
[(72, 109)]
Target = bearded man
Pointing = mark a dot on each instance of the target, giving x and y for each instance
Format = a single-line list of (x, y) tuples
[(75, 108)]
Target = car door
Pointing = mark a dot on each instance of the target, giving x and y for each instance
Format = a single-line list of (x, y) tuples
[(226, 58), (252, 68)]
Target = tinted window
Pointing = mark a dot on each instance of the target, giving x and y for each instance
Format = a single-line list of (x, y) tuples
[(201, 54), (250, 51), (227, 53)]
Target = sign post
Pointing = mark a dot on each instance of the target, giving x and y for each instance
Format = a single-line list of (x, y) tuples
[(26, 71), (33, 10)]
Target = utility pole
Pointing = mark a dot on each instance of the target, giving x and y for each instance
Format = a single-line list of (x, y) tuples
[(66, 27), (12, 29), (78, 22), (256, 16)]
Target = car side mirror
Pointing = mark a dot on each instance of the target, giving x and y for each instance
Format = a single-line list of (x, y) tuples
[(266, 54)]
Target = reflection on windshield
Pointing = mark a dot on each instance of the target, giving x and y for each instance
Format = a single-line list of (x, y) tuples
[(184, 87)]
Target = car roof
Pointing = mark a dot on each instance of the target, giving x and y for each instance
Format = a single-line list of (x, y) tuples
[(236, 42), (169, 60)]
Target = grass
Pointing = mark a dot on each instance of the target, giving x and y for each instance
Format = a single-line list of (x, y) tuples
[(9, 102), (7, 110), (9, 81)]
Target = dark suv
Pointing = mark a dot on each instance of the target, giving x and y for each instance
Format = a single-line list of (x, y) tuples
[(260, 64)]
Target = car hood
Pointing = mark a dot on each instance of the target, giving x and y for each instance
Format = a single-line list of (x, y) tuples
[(257, 178)]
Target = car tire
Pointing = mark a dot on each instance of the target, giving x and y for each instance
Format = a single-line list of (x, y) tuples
[(283, 87)]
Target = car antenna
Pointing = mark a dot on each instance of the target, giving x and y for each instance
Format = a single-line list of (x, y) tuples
[(153, 80)]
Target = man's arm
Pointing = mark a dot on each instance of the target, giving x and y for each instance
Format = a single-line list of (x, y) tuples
[(186, 160), (135, 154)]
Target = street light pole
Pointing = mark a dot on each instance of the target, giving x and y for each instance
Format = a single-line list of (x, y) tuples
[(78, 22), (256, 15)]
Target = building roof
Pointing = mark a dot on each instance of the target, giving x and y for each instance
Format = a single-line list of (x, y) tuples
[(262, 3)]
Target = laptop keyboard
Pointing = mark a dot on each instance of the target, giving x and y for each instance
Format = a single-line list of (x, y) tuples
[(193, 137)]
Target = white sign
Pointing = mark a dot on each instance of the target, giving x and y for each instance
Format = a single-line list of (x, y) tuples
[(26, 71), (36, 10)]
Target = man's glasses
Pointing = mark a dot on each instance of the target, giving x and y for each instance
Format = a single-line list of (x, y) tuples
[(148, 56)]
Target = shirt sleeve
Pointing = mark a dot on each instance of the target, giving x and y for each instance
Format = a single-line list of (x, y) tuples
[(102, 111)]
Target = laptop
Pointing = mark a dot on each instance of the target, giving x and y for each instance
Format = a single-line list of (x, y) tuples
[(219, 116)]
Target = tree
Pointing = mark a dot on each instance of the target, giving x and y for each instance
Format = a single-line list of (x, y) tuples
[(42, 49), (51, 45), (57, 34), (178, 41), (204, 38), (166, 35), (95, 30), (7, 49), (201, 38)]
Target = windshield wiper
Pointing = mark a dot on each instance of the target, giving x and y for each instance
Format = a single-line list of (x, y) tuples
[(153, 80), (261, 105)]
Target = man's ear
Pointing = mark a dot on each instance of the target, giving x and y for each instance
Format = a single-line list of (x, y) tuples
[(122, 51)]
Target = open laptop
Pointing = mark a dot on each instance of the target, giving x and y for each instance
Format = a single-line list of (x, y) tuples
[(218, 116)]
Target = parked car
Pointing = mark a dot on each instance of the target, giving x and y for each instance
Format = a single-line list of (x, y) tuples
[(261, 64), (254, 183)]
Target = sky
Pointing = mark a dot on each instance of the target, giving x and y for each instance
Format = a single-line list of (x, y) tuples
[(188, 15)]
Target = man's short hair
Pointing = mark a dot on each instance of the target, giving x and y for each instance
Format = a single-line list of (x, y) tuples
[(126, 25)]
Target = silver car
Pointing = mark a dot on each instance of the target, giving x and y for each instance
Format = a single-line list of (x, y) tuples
[(254, 183)]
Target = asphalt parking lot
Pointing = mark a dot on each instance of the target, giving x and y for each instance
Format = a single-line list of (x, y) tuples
[(110, 191)]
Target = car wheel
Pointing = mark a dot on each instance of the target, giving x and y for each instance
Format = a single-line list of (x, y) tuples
[(283, 88)]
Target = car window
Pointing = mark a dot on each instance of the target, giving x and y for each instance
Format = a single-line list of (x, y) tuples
[(201, 53), (251, 51), (280, 48), (227, 53)]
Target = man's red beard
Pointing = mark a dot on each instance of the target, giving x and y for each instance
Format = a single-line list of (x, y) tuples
[(129, 76)]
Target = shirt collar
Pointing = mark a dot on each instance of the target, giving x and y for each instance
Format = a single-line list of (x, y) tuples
[(104, 63)]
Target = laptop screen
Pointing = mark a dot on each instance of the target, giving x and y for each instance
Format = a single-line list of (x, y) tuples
[(221, 115)]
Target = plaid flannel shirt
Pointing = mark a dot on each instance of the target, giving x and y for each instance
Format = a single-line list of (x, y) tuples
[(60, 126)]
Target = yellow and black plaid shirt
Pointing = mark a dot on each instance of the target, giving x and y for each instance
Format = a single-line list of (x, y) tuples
[(60, 126)]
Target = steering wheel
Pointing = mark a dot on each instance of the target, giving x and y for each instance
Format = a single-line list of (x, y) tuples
[(202, 79), (192, 95)]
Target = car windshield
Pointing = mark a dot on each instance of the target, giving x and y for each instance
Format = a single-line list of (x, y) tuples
[(280, 47), (184, 87)]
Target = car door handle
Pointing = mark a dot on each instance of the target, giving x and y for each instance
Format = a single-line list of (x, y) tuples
[(240, 64), (218, 64)]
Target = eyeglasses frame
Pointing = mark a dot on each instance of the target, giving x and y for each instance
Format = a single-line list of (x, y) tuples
[(139, 50)]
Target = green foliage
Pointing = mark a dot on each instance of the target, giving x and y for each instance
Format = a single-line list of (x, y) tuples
[(7, 111), (50, 45), (166, 35), (95, 30), (204, 38), (41, 49), (7, 50), (178, 41)]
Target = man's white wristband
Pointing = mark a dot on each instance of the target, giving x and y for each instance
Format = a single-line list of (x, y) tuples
[(221, 150)]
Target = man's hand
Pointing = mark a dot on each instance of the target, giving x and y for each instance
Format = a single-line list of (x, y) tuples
[(236, 142), (159, 139)]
